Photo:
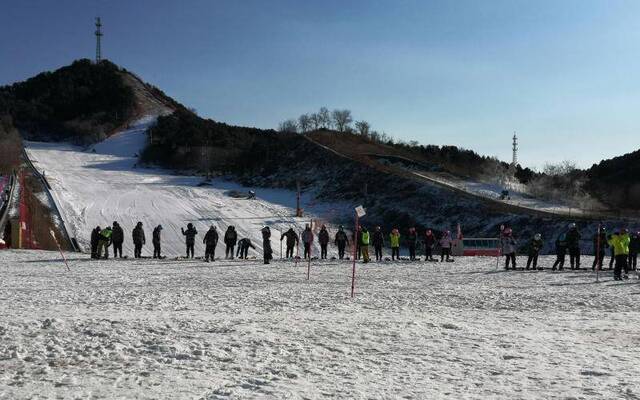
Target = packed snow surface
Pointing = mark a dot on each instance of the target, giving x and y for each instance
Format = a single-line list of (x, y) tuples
[(239, 329), (104, 184)]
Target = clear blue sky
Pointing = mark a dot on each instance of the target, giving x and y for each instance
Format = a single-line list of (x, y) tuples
[(563, 74)]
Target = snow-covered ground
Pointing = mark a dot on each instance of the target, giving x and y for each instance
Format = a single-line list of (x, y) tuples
[(103, 184), (168, 330)]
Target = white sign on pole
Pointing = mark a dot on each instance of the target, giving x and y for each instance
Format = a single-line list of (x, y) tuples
[(360, 211)]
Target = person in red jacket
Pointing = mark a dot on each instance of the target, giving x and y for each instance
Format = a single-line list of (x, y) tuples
[(429, 244)]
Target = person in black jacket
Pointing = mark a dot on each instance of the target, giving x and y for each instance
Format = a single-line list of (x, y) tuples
[(190, 238), (230, 240), (243, 248), (573, 245), (600, 245), (323, 238), (429, 244), (156, 241), (266, 244), (95, 238), (341, 240), (211, 241), (292, 241), (412, 241), (634, 249), (138, 240), (117, 238), (377, 240)]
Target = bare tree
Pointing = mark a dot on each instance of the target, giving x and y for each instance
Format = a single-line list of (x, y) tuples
[(305, 123), (363, 128), (324, 118), (341, 119), (289, 125), (316, 121)]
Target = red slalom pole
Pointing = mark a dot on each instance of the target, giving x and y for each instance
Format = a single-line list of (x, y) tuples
[(355, 247), (310, 247), (598, 254), (53, 235)]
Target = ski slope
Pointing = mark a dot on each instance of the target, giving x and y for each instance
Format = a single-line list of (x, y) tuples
[(103, 184), (149, 329)]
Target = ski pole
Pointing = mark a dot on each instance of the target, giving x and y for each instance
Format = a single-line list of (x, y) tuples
[(53, 235)]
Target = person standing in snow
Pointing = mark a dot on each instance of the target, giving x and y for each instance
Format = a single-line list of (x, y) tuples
[(95, 239), (535, 245), (104, 242), (117, 238), (292, 241), (341, 240), (243, 248), (509, 248), (156, 239), (412, 241), (561, 252), (378, 241), (190, 238), (600, 245), (620, 243), (307, 241), (394, 241), (445, 246), (364, 244), (634, 249), (211, 241), (323, 239), (266, 245), (230, 239), (573, 245), (429, 244), (138, 240)]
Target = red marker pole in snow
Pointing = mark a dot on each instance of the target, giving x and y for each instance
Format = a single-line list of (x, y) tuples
[(310, 247), (359, 212), (500, 249), (53, 235), (598, 254)]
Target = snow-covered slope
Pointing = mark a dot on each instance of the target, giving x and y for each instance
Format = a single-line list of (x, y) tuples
[(150, 329), (104, 184)]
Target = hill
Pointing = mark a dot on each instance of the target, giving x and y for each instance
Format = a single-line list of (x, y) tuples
[(617, 181)]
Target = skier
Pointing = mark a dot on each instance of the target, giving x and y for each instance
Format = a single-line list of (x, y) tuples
[(341, 240), (104, 242), (364, 244), (156, 241), (394, 241), (445, 246), (378, 241), (429, 244), (266, 244), (600, 244), (573, 244), (230, 239), (634, 249), (561, 252), (292, 241), (307, 241), (243, 248), (95, 238), (190, 238), (535, 245), (117, 238), (211, 241), (323, 238), (138, 240), (509, 248), (620, 243), (412, 241)]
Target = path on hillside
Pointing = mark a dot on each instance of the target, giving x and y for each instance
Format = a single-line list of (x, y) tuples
[(97, 188)]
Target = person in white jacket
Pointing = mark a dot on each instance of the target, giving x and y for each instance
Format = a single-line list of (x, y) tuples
[(445, 246), (509, 248)]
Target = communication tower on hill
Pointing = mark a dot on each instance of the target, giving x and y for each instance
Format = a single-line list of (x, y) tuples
[(98, 34), (514, 161)]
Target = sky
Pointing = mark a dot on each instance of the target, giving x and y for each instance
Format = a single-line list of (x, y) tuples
[(563, 74)]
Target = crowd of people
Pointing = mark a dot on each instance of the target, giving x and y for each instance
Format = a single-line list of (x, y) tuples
[(624, 247)]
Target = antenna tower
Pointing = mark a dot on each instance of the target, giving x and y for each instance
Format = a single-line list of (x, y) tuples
[(514, 161), (98, 34)]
